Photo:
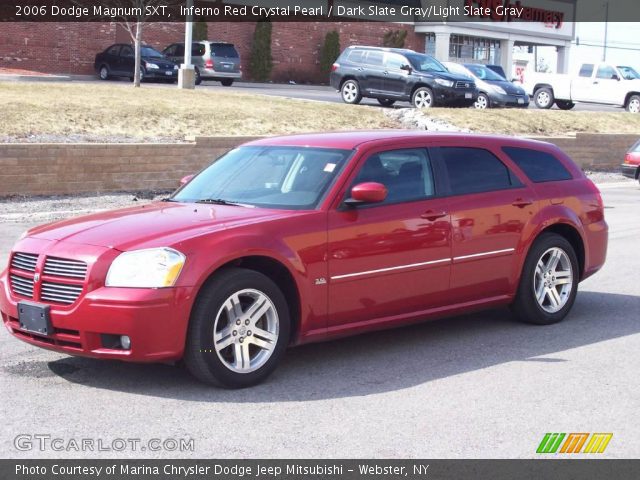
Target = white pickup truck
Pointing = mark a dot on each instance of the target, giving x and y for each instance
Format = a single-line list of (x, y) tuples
[(594, 83)]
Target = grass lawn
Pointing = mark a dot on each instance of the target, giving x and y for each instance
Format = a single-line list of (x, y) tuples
[(534, 122), (117, 112)]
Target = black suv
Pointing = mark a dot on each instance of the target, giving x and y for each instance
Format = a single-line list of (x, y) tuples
[(391, 74)]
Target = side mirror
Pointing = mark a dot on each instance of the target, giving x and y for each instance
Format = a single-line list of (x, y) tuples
[(615, 77), (406, 68), (368, 192), (185, 180)]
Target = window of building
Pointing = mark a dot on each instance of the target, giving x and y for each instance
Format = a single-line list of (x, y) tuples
[(430, 44), (463, 48), (538, 166), (475, 170)]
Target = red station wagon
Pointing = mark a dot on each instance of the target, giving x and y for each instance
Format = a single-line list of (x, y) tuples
[(290, 240)]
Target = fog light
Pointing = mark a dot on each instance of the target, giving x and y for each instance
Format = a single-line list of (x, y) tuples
[(125, 342)]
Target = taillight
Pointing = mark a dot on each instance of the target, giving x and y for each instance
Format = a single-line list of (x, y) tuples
[(209, 64), (335, 66)]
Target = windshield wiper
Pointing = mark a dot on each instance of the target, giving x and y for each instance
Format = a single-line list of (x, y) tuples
[(220, 201)]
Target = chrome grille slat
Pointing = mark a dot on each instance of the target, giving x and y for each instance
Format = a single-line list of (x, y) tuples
[(60, 267), (60, 293), (21, 286), (24, 261)]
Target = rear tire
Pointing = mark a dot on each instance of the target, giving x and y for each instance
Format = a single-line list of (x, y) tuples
[(246, 348), (565, 104), (386, 102), (104, 73), (549, 281), (226, 83), (350, 92), (543, 98), (633, 105)]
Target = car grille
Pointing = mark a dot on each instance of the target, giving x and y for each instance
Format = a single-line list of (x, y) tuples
[(60, 267), (24, 261), (22, 286), (461, 84), (60, 293), (63, 283)]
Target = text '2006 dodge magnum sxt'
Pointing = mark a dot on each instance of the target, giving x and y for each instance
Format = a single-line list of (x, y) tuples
[(291, 240)]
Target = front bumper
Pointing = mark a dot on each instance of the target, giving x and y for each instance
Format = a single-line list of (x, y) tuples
[(155, 320), (454, 97), (629, 170), (511, 101), (160, 74)]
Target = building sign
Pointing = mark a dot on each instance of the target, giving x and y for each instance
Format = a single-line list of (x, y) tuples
[(505, 10)]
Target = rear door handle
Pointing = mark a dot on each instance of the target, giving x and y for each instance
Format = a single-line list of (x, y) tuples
[(432, 216), (522, 202)]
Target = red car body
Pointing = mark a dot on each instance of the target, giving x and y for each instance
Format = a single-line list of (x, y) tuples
[(631, 166), (343, 271)]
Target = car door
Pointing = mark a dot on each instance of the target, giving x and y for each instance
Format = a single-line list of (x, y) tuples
[(170, 52), (607, 87), (390, 258), (127, 60), (395, 77), (490, 208), (111, 57), (372, 73)]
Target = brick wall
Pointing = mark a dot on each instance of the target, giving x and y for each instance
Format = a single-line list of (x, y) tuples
[(70, 48), (48, 169)]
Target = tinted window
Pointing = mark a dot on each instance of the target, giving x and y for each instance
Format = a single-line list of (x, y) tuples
[(198, 50), (113, 50), (150, 52), (538, 166), (586, 70), (356, 56), (474, 170), (170, 51), (374, 58), (425, 63), (126, 51), (407, 174), (179, 50), (224, 50), (606, 71), (395, 61)]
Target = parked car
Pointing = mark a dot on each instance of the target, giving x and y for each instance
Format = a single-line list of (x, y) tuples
[(394, 74), (119, 61), (290, 240), (498, 70), (594, 83), (631, 166), (493, 90), (217, 61)]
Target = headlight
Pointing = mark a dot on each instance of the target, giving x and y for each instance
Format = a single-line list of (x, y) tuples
[(498, 89), (151, 66), (444, 83), (151, 268)]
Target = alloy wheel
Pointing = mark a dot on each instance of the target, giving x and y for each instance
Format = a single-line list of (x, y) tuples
[(350, 92), (553, 280), (481, 103), (246, 331), (543, 99), (104, 73), (634, 105), (422, 99)]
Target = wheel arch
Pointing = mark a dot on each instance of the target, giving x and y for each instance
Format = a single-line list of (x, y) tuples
[(538, 86), (347, 77), (570, 233), (628, 97), (420, 85)]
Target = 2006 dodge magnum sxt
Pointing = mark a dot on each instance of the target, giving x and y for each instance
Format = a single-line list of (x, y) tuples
[(297, 239)]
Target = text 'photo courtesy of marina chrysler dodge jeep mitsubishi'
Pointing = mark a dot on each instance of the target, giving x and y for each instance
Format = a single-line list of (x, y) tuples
[(601, 83), (395, 74)]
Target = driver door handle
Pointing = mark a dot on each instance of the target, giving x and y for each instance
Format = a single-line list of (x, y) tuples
[(432, 215), (522, 202)]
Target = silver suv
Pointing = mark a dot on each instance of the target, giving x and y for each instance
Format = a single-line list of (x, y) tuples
[(218, 61)]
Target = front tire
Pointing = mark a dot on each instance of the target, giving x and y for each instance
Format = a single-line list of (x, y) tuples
[(549, 281), (543, 98), (422, 98), (633, 105), (198, 79), (350, 92), (482, 102), (239, 329)]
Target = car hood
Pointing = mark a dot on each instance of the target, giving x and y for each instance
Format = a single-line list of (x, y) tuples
[(151, 225), (507, 86), (444, 75), (161, 62)]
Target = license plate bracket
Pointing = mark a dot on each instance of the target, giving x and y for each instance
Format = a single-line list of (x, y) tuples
[(35, 317)]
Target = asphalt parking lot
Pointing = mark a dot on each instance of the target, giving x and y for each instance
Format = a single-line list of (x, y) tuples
[(476, 386)]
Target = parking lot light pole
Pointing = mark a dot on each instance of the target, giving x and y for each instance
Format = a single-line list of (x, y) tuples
[(187, 74)]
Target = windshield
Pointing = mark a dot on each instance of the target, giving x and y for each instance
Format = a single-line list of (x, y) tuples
[(150, 52), (288, 178), (425, 63), (628, 73), (484, 73)]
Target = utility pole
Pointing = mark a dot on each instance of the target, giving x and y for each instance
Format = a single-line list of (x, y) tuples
[(187, 74), (606, 30)]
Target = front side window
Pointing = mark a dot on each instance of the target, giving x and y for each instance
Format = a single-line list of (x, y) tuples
[(126, 51), (150, 52), (113, 50), (606, 72), (288, 178), (395, 61), (475, 170), (198, 50), (407, 174), (425, 63), (374, 58), (538, 166)]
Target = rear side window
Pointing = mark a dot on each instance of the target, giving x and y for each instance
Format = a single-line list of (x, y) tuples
[(538, 166), (198, 50), (356, 56), (586, 70), (635, 148), (475, 170), (374, 58), (224, 50)]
